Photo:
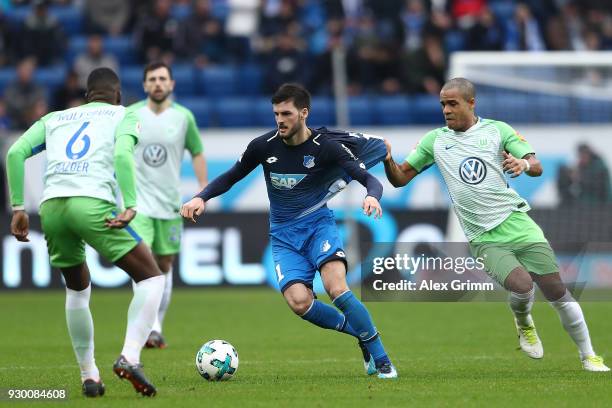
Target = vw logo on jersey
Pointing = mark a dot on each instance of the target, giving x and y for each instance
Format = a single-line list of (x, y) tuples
[(155, 155), (472, 170), (309, 162)]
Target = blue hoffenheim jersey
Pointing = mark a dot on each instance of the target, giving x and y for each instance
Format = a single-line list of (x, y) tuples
[(298, 177)]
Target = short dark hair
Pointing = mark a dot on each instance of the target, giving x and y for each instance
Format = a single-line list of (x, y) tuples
[(102, 80), (465, 87), (292, 92), (152, 66)]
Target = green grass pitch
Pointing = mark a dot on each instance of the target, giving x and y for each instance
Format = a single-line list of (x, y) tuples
[(447, 354)]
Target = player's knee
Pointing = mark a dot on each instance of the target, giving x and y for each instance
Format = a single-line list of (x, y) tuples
[(299, 299), (519, 281), (337, 289)]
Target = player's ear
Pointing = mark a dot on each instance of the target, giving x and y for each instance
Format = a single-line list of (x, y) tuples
[(304, 113), (472, 103)]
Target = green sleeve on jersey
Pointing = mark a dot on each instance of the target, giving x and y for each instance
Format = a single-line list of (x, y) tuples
[(129, 125), (512, 142), (126, 136), (30, 143), (124, 168), (423, 154), (193, 141)]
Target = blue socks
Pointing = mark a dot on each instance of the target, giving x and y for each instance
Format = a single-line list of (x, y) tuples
[(359, 319), (327, 317)]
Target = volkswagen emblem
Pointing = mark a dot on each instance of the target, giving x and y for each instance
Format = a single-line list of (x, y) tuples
[(472, 170)]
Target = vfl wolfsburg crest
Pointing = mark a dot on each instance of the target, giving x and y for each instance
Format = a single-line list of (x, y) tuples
[(155, 155), (309, 162)]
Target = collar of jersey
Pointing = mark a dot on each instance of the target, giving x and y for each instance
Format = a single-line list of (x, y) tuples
[(473, 127)]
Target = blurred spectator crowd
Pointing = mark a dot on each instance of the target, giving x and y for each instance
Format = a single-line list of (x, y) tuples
[(392, 47)]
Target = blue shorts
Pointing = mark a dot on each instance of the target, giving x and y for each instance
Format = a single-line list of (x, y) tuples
[(301, 248)]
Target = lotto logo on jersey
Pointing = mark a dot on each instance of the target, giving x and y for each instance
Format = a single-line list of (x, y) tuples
[(472, 170), (285, 181)]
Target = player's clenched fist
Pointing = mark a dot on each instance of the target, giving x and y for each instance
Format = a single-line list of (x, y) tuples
[(193, 209), (371, 205)]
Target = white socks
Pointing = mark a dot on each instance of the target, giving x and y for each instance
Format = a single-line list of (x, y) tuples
[(141, 316), (81, 330), (165, 302), (521, 304), (573, 321)]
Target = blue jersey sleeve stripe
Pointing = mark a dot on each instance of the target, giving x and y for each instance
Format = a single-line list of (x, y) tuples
[(39, 148)]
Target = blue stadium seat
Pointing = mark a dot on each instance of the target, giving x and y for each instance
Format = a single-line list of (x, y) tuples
[(264, 116), (200, 107), (552, 109), (426, 109), (322, 112), (131, 81), (234, 112), (121, 47), (454, 40), (219, 81), (184, 77), (511, 108), (502, 9), (181, 11), (220, 9), (70, 18), (7, 75), (361, 112), (593, 111), (250, 80), (51, 77), (393, 110)]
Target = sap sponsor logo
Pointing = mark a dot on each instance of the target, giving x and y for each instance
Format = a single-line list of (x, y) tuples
[(341, 254), (363, 166), (270, 160), (285, 181)]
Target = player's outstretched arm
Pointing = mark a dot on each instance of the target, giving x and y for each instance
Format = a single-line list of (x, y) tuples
[(196, 206), (398, 174), (529, 165), (126, 178), (30, 143)]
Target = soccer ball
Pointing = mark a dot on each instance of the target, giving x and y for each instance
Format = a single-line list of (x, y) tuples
[(217, 360)]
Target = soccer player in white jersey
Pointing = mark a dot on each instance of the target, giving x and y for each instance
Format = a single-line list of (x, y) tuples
[(86, 147), (167, 130), (473, 154)]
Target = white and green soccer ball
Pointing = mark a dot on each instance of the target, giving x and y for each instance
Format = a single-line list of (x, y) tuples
[(217, 360)]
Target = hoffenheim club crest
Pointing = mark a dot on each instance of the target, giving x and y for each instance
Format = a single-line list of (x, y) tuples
[(309, 162)]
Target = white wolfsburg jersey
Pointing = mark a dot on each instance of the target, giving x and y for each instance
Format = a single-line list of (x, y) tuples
[(158, 156), (80, 148), (471, 164)]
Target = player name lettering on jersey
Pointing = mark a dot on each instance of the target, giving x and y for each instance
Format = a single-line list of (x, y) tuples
[(72, 167), (73, 115)]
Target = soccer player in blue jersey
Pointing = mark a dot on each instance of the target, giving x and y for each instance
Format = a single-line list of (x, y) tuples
[(303, 168)]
